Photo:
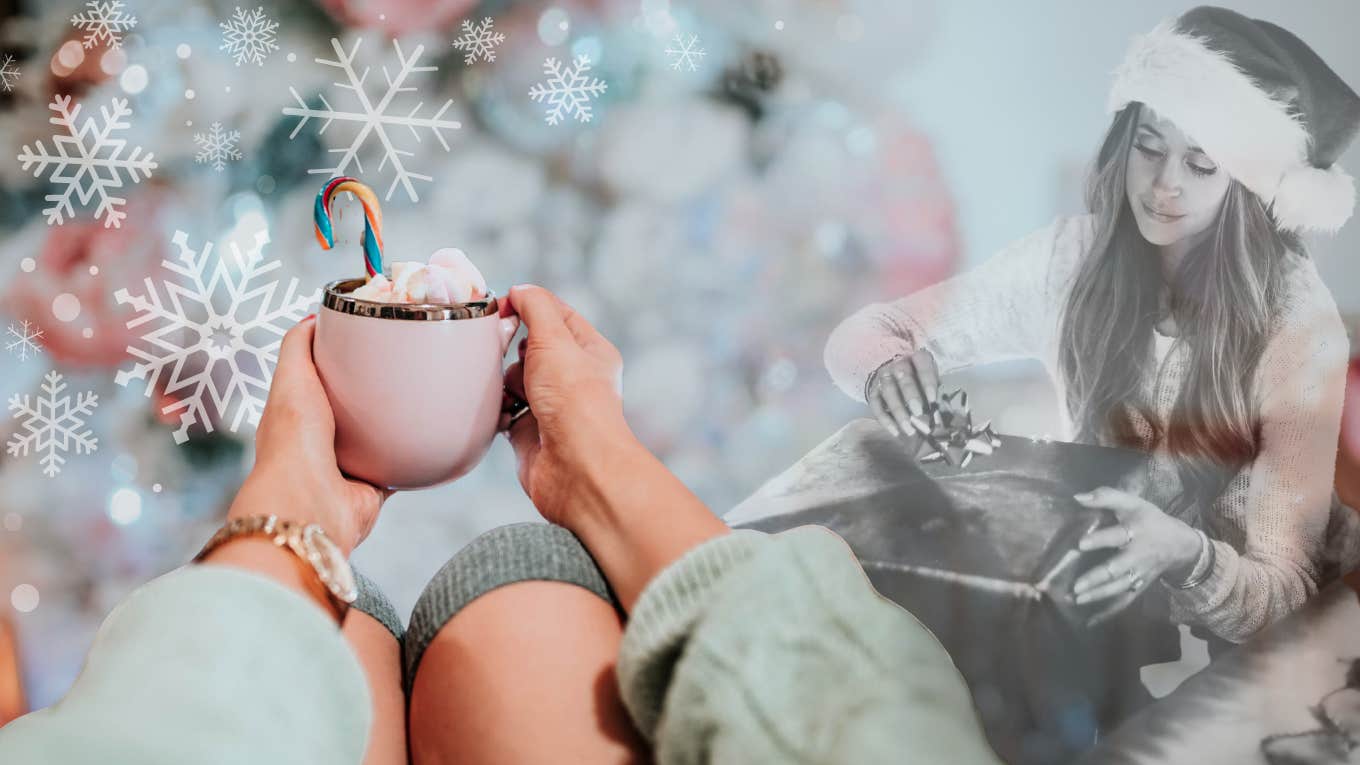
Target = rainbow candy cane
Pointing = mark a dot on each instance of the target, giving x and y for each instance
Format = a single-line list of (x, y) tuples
[(325, 234)]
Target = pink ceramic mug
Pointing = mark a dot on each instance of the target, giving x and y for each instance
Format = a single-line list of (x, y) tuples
[(416, 389)]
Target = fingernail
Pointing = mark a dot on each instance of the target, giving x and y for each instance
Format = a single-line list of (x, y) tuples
[(1081, 599), (1081, 544), (1082, 497), (308, 316)]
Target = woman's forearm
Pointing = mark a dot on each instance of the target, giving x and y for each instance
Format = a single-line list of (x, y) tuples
[(636, 518), (260, 495), (261, 556)]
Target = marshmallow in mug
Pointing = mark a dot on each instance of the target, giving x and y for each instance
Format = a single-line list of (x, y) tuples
[(449, 277)]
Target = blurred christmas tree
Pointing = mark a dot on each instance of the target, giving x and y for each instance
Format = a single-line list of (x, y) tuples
[(747, 179)]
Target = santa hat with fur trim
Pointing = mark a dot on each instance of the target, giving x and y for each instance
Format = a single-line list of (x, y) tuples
[(1259, 102)]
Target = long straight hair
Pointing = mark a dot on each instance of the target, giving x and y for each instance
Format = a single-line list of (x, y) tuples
[(1224, 296)]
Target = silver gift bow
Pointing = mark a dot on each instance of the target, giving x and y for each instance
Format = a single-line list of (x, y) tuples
[(947, 426)]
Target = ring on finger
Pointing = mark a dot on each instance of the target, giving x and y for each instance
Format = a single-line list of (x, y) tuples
[(1136, 584), (517, 408)]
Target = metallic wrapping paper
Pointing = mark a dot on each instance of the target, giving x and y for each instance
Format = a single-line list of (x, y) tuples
[(983, 553)]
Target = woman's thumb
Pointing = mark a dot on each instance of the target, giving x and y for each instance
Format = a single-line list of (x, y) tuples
[(539, 311)]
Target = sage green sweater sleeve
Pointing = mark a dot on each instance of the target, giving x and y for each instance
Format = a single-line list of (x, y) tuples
[(776, 648), (206, 664)]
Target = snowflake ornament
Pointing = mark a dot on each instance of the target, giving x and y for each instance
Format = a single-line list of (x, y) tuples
[(26, 337), (9, 74), (479, 41), (685, 53), (568, 91), (249, 36), (52, 425), (104, 22), (217, 146), (88, 162), (219, 332), (375, 117)]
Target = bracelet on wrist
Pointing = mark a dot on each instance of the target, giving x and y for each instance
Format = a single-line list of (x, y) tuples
[(869, 381), (1204, 564)]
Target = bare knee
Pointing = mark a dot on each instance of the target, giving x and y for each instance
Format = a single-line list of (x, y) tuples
[(524, 673), (379, 654)]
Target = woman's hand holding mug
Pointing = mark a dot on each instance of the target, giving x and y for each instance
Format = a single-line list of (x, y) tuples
[(295, 474), (572, 378), (902, 388), (580, 463)]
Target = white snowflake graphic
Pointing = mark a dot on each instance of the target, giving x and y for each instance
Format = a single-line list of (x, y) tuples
[(685, 53), (88, 162), (250, 36), (375, 118), (217, 146), (105, 22), (52, 425), (568, 91), (479, 41), (9, 74), (219, 334), (25, 342)]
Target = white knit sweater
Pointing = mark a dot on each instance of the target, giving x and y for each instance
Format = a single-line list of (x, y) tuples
[(1270, 525)]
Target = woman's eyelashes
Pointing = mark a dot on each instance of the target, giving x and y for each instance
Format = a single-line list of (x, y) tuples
[(1154, 154)]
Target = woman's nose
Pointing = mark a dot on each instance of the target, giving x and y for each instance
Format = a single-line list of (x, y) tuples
[(1167, 182)]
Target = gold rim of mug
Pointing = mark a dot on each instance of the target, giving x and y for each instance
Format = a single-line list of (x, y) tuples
[(336, 298)]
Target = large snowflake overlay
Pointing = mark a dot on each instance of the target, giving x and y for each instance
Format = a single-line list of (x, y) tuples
[(9, 73), (25, 342), (374, 118), (685, 53), (568, 91), (88, 161), (105, 22), (479, 40), (51, 425), (249, 36), (217, 146), (219, 334)]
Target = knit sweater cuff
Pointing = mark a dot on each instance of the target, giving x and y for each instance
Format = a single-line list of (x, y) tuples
[(198, 665), (664, 615), (851, 355), (1203, 600)]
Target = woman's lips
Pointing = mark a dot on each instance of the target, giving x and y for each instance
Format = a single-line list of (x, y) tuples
[(1161, 216)]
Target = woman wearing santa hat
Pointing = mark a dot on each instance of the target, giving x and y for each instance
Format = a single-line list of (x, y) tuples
[(1181, 315)]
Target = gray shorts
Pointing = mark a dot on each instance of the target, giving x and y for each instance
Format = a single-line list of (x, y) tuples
[(504, 555)]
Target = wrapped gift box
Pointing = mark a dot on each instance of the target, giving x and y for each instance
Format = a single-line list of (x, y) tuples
[(985, 556), (1004, 524)]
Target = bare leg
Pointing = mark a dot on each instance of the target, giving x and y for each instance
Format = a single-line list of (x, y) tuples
[(524, 674), (12, 702), (380, 654)]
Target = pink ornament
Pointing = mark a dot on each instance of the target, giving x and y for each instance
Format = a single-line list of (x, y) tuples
[(910, 196), (78, 268), (397, 17)]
